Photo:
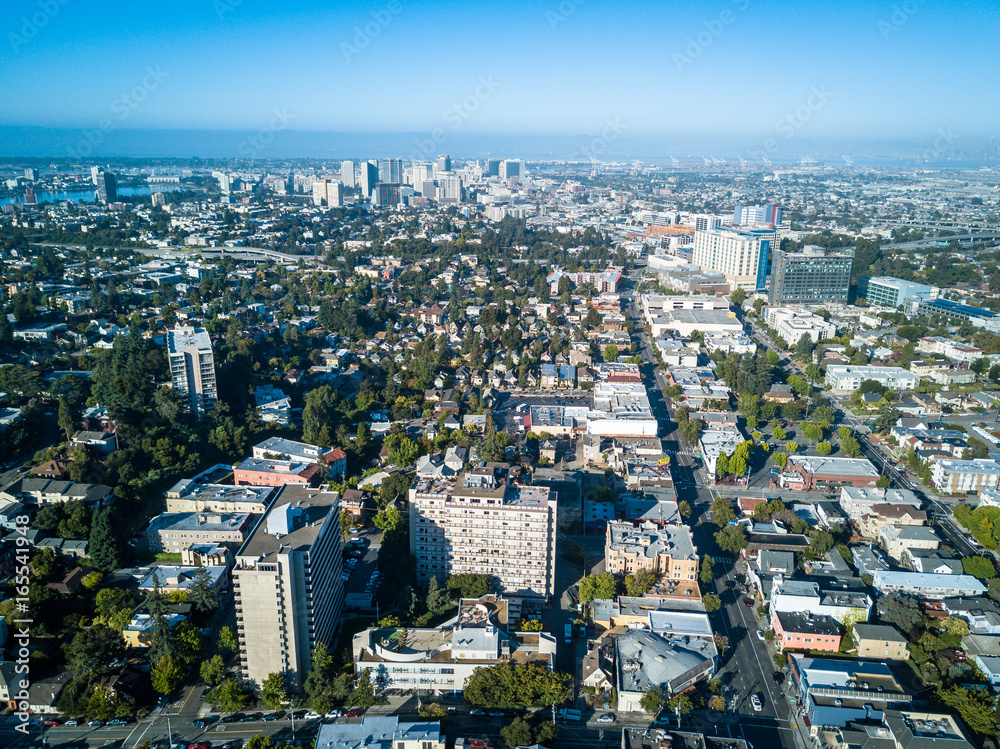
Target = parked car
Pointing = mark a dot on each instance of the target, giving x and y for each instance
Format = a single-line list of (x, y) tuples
[(234, 718), (95, 723), (760, 634), (311, 715), (778, 677), (747, 602), (755, 703), (497, 714), (606, 718), (477, 712), (72, 722), (50, 722), (201, 722), (118, 722)]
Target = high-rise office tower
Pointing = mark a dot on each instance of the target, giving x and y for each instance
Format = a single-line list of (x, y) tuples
[(748, 215), (319, 191), (31, 173), (443, 163), (386, 193), (511, 168), (107, 187), (368, 178), (158, 200), (390, 170), (479, 522), (741, 254), (493, 167), (810, 276), (420, 173), (450, 188), (287, 585), (94, 171), (347, 173), (192, 367)]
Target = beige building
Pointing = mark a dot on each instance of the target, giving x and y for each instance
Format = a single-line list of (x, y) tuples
[(740, 253), (287, 584), (172, 532), (879, 642), (187, 495), (484, 522), (881, 516), (192, 367), (668, 550)]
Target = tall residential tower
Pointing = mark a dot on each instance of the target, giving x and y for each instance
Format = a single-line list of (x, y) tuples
[(192, 367)]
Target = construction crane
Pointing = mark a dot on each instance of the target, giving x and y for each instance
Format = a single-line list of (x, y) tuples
[(675, 161), (847, 161)]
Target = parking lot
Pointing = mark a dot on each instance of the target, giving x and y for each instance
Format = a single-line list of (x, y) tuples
[(361, 563)]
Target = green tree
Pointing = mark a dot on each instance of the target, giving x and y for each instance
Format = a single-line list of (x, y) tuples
[(722, 466), (885, 418), (824, 448), (640, 583), (980, 567), (320, 685), (527, 732), (706, 575), (805, 346), (681, 703), (610, 352), (508, 685), (318, 414), (791, 447), (780, 459), (684, 509), (66, 421), (229, 696), (812, 432), (436, 596), (468, 585), (738, 297), (722, 511), (778, 433), (105, 549), (602, 586), (882, 482), (201, 593), (272, 691), (974, 706), (92, 651), (711, 602), (166, 675), (228, 641), (652, 701), (732, 538), (212, 670), (850, 447), (902, 610), (387, 519)]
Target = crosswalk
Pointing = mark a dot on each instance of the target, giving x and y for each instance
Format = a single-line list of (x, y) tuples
[(722, 560)]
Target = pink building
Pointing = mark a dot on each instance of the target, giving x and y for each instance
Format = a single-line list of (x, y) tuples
[(262, 472), (805, 631)]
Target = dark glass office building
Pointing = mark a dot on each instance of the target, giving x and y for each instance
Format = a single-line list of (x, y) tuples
[(810, 276)]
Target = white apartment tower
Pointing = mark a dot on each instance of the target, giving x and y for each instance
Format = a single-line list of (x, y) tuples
[(481, 523), (192, 367), (347, 173), (740, 254), (287, 585)]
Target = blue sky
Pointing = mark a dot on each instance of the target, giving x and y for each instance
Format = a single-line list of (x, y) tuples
[(869, 70)]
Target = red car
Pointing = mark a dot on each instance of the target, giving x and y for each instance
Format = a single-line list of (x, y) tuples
[(747, 602), (51, 722), (352, 714)]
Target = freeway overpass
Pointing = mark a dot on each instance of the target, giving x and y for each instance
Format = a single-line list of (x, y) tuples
[(253, 254), (943, 241)]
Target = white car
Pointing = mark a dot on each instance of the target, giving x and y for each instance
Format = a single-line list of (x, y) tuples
[(311, 715), (606, 718), (760, 634), (755, 703)]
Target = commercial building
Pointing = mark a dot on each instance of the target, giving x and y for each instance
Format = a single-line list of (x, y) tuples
[(856, 501), (107, 187), (954, 350), (188, 495), (685, 314), (279, 448), (834, 692), (948, 308), (192, 367), (926, 585), (887, 291), (647, 660), (347, 173), (390, 170), (381, 732), (810, 276), (741, 254), (172, 532), (848, 377), (716, 440), (792, 324), (802, 631), (666, 550), (748, 215), (964, 476), (367, 178), (805, 472), (900, 730), (440, 659), (328, 193), (287, 585), (485, 522)]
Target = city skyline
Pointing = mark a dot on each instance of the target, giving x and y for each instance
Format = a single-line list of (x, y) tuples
[(687, 74)]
